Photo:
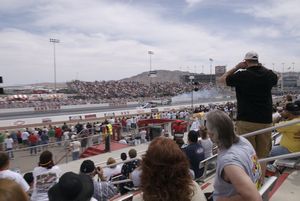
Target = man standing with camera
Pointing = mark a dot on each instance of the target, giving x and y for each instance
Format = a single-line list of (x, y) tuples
[(253, 84)]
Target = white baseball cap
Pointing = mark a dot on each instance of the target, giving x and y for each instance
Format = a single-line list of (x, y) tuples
[(251, 56)]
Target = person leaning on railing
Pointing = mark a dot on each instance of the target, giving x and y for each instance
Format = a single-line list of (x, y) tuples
[(290, 141)]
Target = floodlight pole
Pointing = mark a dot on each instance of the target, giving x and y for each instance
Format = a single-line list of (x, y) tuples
[(282, 77), (150, 65), (211, 60), (54, 41), (191, 77)]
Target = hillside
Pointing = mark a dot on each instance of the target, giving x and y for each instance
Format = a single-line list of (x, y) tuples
[(161, 76)]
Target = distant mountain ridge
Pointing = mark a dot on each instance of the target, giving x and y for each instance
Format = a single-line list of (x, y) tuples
[(161, 76)]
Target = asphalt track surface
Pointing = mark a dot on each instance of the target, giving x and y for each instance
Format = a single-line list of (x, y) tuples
[(73, 111), (31, 114)]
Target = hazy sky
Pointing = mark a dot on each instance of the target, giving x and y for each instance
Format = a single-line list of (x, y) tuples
[(110, 39)]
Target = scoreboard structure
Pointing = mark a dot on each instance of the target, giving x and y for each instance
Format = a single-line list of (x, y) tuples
[(1, 87), (220, 70)]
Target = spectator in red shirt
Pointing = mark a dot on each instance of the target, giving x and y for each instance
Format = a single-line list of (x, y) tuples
[(58, 135), (178, 129), (33, 140)]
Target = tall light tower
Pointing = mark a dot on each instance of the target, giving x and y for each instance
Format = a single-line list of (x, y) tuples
[(150, 61), (54, 41), (282, 77), (273, 66), (211, 61), (150, 71), (293, 63), (191, 78)]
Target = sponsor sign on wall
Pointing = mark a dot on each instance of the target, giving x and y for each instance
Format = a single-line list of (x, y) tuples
[(90, 116), (154, 110), (75, 117), (47, 108), (109, 114), (46, 120)]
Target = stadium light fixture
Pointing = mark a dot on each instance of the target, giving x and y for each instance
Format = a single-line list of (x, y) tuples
[(54, 41), (282, 77), (211, 61)]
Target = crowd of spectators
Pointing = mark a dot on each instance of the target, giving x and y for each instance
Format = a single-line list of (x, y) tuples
[(125, 90), (53, 103), (213, 118), (98, 92)]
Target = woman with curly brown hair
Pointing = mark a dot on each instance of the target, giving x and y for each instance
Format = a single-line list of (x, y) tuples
[(165, 174)]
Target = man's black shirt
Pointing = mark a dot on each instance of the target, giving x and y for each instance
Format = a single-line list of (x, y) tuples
[(253, 92)]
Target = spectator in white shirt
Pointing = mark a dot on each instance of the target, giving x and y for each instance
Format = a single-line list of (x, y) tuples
[(9, 143), (108, 172), (5, 173), (25, 136), (75, 147)]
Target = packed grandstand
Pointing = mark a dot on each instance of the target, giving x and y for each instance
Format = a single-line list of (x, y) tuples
[(80, 93), (74, 139)]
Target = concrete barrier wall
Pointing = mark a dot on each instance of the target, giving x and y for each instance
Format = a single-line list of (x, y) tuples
[(10, 110), (84, 106), (5, 124)]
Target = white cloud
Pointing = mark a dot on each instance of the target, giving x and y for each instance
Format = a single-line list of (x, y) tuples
[(263, 32), (283, 12), (15, 5), (193, 2), (104, 40)]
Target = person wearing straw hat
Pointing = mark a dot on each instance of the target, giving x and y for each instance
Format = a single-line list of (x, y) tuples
[(45, 176)]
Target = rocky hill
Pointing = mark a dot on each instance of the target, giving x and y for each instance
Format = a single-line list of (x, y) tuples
[(161, 76)]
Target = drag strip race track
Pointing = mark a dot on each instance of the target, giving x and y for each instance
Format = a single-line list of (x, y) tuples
[(84, 110), (22, 115)]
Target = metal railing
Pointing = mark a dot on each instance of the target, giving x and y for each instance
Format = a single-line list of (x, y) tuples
[(283, 156), (289, 123)]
